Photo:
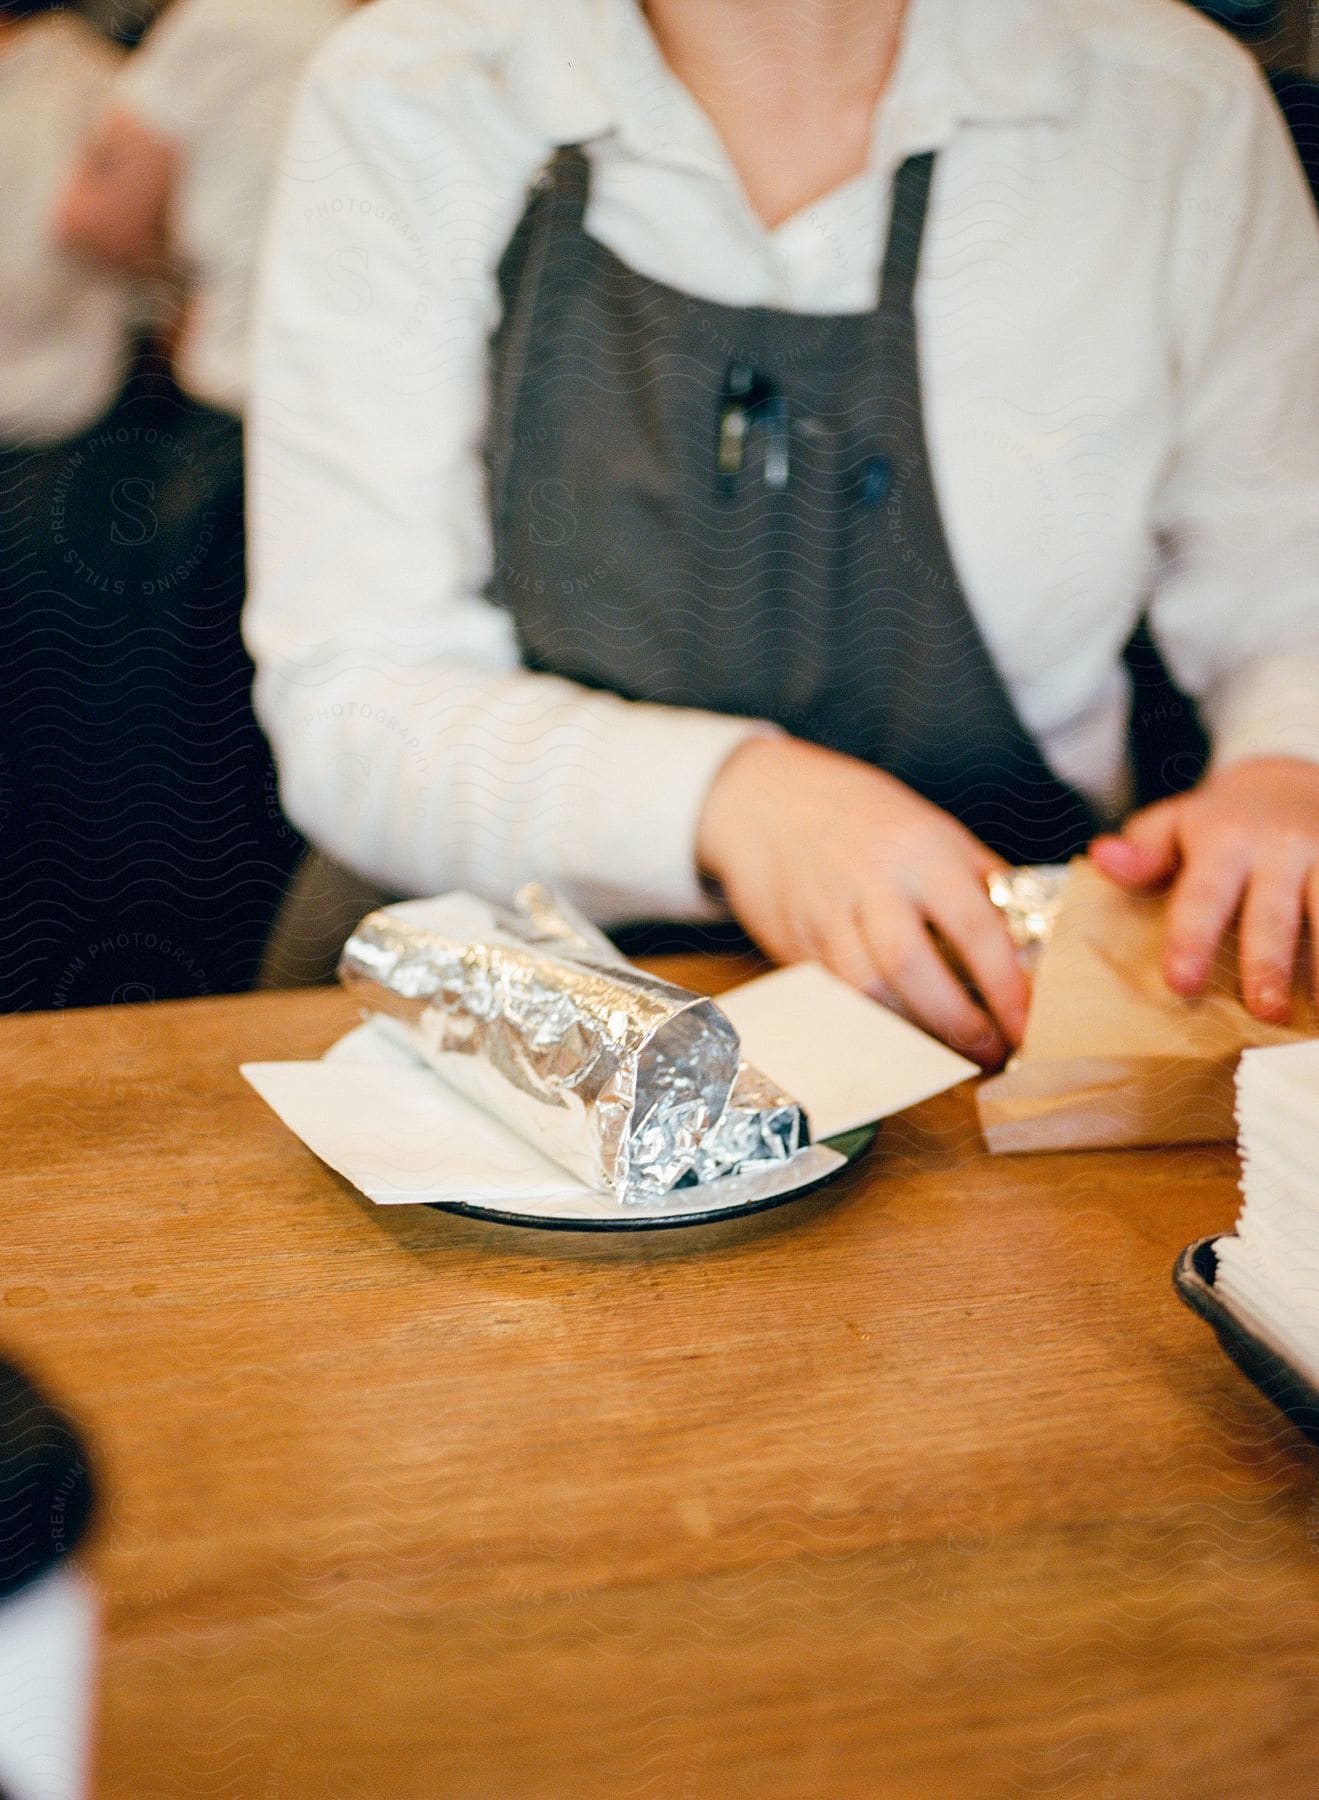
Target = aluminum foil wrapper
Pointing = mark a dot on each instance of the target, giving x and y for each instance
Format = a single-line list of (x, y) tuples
[(1029, 899), (632, 1084)]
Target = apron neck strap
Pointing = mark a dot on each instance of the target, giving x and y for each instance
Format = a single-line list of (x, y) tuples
[(911, 200), (567, 175)]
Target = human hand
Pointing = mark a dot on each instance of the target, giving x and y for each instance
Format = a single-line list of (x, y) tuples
[(1246, 841), (824, 858)]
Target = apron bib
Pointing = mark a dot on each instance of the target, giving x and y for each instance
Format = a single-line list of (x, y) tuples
[(733, 508)]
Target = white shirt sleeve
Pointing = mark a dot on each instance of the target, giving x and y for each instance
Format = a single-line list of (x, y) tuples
[(204, 57), (1236, 608), (216, 78), (411, 745), (189, 67)]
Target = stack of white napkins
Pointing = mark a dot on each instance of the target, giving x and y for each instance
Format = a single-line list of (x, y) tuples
[(1268, 1274), (387, 1123)]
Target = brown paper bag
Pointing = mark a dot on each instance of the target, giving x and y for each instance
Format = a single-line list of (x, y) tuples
[(1111, 1055)]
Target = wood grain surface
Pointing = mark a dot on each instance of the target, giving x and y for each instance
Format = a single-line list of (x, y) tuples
[(924, 1486)]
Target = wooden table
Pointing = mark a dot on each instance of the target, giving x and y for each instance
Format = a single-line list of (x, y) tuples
[(926, 1486)]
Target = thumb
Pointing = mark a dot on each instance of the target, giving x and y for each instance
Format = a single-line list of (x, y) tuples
[(1147, 851)]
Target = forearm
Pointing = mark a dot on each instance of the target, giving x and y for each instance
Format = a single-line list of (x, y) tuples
[(462, 777)]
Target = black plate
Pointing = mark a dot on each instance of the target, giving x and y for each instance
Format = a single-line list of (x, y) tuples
[(851, 1145)]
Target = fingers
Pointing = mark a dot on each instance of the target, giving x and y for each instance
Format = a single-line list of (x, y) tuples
[(1312, 907), (838, 943), (1147, 851), (1204, 903), (904, 958), (978, 935), (1115, 857), (1270, 935)]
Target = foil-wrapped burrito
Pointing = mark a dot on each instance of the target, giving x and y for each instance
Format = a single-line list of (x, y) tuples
[(1030, 898), (634, 1085)]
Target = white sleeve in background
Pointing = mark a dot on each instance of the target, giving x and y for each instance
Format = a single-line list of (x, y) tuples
[(1236, 609), (201, 57), (216, 79), (183, 64), (411, 746)]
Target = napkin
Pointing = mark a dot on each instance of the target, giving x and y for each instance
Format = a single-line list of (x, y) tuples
[(378, 1116), (1269, 1272), (847, 1060), (1111, 1055)]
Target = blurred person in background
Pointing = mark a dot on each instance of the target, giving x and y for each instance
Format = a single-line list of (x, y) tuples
[(742, 436), (153, 851), (181, 164), (64, 326)]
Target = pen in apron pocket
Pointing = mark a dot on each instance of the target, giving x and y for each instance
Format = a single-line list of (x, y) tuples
[(747, 398)]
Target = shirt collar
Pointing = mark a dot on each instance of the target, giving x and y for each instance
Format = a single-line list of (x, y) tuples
[(585, 68)]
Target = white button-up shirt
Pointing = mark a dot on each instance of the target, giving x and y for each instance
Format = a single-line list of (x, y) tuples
[(1119, 341)]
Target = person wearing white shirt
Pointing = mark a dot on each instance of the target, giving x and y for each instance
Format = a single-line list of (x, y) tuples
[(174, 180), (712, 456), (183, 160), (64, 326)]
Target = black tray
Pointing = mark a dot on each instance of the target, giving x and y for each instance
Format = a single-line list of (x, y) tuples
[(1193, 1277)]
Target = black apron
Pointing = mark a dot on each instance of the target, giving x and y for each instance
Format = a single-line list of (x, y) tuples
[(733, 508)]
